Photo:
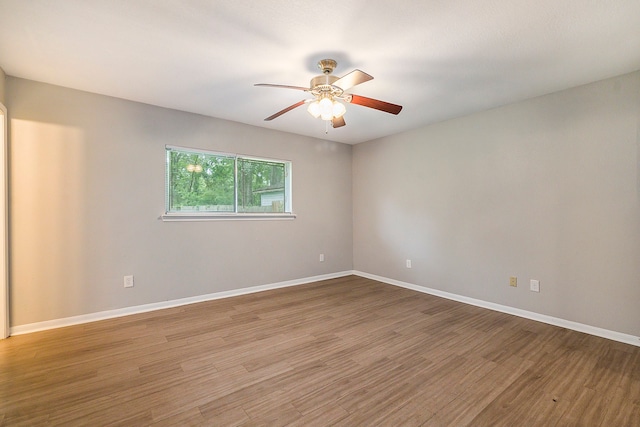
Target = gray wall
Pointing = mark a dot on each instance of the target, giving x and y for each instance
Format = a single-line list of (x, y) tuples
[(87, 187), (544, 189)]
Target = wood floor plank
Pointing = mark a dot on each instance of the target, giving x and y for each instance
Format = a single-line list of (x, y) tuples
[(346, 351)]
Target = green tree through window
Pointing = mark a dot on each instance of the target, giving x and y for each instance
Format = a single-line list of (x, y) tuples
[(260, 184), (199, 181)]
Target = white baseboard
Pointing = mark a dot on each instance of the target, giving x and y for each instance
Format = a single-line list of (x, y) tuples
[(587, 329), (110, 314)]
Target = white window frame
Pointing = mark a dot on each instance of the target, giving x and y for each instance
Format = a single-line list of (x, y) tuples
[(214, 216)]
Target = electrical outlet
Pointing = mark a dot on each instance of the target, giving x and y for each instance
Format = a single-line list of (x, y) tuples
[(513, 281), (534, 285), (128, 281), (408, 263), (321, 257)]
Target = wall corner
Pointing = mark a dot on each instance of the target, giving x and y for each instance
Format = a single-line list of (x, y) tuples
[(3, 78)]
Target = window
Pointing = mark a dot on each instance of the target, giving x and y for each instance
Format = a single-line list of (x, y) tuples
[(208, 184)]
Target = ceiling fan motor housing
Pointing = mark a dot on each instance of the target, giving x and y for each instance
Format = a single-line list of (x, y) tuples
[(325, 80)]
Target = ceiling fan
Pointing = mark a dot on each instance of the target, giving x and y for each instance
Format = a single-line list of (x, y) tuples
[(328, 90)]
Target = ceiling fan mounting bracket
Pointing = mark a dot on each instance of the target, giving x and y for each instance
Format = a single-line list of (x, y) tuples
[(327, 65)]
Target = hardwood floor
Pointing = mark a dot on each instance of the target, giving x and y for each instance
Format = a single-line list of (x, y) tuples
[(342, 352)]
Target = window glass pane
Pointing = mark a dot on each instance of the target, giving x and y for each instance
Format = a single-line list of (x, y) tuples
[(261, 186), (200, 182), (208, 182)]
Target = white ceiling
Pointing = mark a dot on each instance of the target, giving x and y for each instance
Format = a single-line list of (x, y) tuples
[(438, 58)]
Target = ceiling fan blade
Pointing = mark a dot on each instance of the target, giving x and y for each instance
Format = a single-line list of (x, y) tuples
[(375, 103), (355, 77), (286, 110), (338, 122), (282, 86)]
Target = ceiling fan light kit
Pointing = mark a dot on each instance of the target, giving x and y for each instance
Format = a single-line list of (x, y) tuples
[(328, 90), (326, 109)]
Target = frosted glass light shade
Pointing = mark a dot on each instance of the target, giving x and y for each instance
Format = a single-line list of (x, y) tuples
[(314, 109), (338, 109), (326, 109)]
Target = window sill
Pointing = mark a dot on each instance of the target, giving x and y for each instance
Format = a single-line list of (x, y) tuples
[(172, 217)]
